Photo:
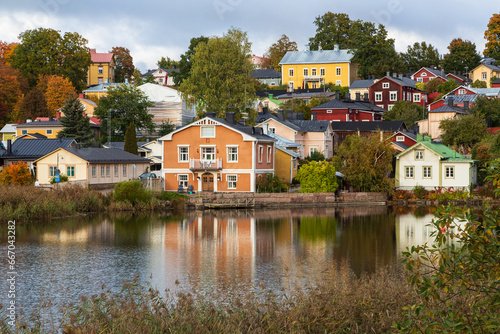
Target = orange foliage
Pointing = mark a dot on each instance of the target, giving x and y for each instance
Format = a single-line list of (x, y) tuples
[(492, 35), (56, 89), (16, 174)]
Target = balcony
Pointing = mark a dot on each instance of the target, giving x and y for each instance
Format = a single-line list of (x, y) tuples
[(313, 78), (205, 165)]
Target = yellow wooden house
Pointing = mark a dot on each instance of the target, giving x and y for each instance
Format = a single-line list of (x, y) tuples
[(314, 68), (102, 69), (485, 72)]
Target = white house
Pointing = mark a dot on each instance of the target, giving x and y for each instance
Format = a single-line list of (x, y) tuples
[(431, 164)]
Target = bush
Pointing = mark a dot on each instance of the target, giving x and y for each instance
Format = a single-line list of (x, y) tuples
[(16, 174), (420, 192), (270, 183), (131, 191), (317, 177), (62, 178), (316, 156), (402, 195)]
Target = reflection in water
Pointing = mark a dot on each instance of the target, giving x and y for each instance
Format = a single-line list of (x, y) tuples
[(217, 251)]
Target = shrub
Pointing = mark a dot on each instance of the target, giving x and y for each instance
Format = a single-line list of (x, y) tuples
[(316, 156), (420, 192), (270, 183), (62, 178), (16, 174), (317, 177), (402, 195), (131, 191)]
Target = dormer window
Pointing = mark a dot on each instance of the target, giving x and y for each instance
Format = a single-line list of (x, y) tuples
[(385, 85)]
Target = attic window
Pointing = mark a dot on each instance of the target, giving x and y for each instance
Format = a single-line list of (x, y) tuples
[(400, 138), (424, 74), (208, 131), (385, 85)]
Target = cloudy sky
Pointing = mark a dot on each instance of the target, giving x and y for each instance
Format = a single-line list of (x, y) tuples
[(154, 28)]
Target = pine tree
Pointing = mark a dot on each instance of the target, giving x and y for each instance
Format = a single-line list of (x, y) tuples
[(131, 140), (76, 125)]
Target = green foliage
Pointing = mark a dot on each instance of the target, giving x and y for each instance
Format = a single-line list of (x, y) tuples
[(277, 51), (432, 86), (62, 178), (167, 64), (366, 162), (186, 61), (75, 124), (447, 86), (130, 144), (220, 75), (465, 131), (317, 177), (125, 104), (458, 277), (124, 64), (420, 192), (485, 151), (405, 111), (492, 171), (461, 54), (316, 156), (270, 183), (478, 84), (487, 108), (165, 128), (420, 55), (45, 51), (170, 196), (132, 192)]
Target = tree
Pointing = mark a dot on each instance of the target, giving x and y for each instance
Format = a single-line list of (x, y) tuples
[(220, 75), (12, 87), (478, 84), (130, 140), (167, 63), (16, 174), (420, 55), (277, 51), (45, 51), (185, 63), (57, 90), (456, 277), (124, 105), (317, 177), (492, 36), (372, 50), (166, 128), (432, 86), (75, 124), (405, 111), (465, 131), (124, 63), (461, 54), (447, 86), (488, 109), (366, 162), (34, 105)]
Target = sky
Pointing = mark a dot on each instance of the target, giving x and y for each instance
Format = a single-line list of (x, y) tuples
[(152, 29)]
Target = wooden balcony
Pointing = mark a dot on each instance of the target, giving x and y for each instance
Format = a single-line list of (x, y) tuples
[(202, 165)]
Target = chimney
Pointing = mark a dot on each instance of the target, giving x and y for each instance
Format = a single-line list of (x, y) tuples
[(314, 116), (337, 95), (271, 96), (450, 101), (335, 47), (265, 128), (300, 116), (210, 114), (51, 118), (78, 146), (358, 96), (400, 76), (308, 47), (9, 146), (388, 74), (366, 97), (466, 105), (281, 114), (394, 75), (230, 117)]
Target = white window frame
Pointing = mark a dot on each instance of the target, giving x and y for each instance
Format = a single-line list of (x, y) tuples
[(202, 128), (423, 74), (385, 85), (313, 149), (290, 72), (393, 97), (116, 171), (269, 154), (272, 130), (314, 71), (409, 172), (484, 75), (204, 152), (181, 155), (108, 171), (102, 171), (322, 71), (261, 153), (416, 97), (419, 155), (378, 96), (48, 131), (306, 72), (329, 111), (338, 83), (400, 138), (420, 79), (183, 180), (461, 91), (70, 171), (124, 170), (94, 171), (100, 70), (232, 181), (449, 172), (52, 170), (390, 106), (231, 155), (338, 71), (427, 172)]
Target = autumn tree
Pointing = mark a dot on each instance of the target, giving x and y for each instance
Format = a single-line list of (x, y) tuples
[(478, 84), (406, 111), (124, 105), (317, 177), (124, 63), (420, 55), (465, 131), (366, 162), (186, 63), (45, 51), (75, 124), (56, 89), (167, 63), (12, 87), (492, 36), (461, 54), (35, 105), (16, 174), (277, 51), (130, 140), (220, 75)]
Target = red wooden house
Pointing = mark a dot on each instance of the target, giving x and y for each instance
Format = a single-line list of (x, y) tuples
[(388, 90), (426, 74), (348, 111)]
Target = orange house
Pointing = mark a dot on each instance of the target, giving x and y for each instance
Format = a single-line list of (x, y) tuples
[(215, 154)]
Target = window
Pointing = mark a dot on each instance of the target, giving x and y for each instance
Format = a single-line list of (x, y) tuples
[(70, 171), (400, 138), (272, 83), (294, 164), (102, 171), (322, 71), (290, 84), (108, 171), (24, 132), (231, 181), (269, 154), (124, 170), (419, 155), (52, 171), (208, 153), (183, 153), (427, 172), (378, 96), (385, 85), (338, 71), (409, 172), (483, 75), (329, 111), (338, 83), (313, 71), (160, 80), (208, 132), (390, 106), (116, 171), (393, 96), (312, 149), (290, 72), (306, 72), (49, 132), (420, 80), (94, 171), (183, 180), (424, 74), (261, 153), (99, 81), (99, 70), (232, 154), (416, 97), (449, 172), (272, 130)]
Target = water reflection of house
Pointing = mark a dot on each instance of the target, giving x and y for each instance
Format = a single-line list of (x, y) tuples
[(104, 231), (413, 230)]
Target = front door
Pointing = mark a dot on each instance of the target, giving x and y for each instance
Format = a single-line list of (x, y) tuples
[(207, 182)]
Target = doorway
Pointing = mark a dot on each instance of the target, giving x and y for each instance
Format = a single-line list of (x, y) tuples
[(207, 182)]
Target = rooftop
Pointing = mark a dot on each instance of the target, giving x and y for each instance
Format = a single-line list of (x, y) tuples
[(317, 57)]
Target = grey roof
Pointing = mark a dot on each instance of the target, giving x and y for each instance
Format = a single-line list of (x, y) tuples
[(403, 146), (170, 70), (283, 141), (311, 126), (292, 153), (491, 92), (150, 72), (262, 117), (265, 74), (492, 67), (121, 144), (317, 57), (249, 130), (357, 84), (305, 95), (447, 108), (276, 92), (39, 124), (104, 87), (105, 155), (387, 126), (36, 135), (352, 104), (410, 135), (8, 128), (33, 149), (460, 98), (434, 71)]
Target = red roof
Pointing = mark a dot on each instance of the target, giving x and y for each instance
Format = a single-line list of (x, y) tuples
[(493, 130), (95, 120), (100, 57)]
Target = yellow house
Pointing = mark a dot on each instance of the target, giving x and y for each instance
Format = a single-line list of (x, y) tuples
[(485, 72), (286, 155), (8, 132), (49, 129), (102, 69), (431, 125), (315, 68), (91, 166)]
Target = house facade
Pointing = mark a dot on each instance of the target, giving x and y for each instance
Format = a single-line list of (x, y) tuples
[(360, 87), (388, 90), (430, 126), (403, 140), (216, 155), (430, 165), (267, 77), (315, 68), (49, 128), (102, 68), (485, 71), (426, 74), (348, 111), (8, 132)]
